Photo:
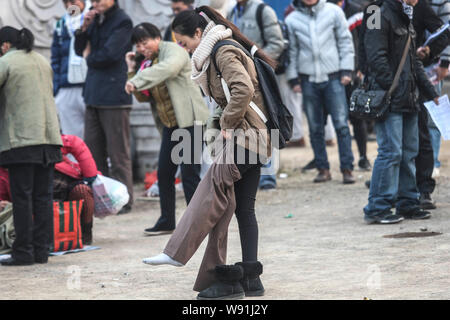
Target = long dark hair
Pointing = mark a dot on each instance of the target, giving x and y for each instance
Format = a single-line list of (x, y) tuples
[(19, 39), (187, 22)]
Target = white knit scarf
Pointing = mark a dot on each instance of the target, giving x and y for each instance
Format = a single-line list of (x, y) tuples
[(201, 58)]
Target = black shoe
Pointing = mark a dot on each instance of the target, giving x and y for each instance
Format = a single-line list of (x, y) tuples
[(426, 203), (158, 231), (126, 209), (364, 164), (367, 183), (388, 218), (251, 283), (310, 166), (13, 262), (415, 214), (227, 285)]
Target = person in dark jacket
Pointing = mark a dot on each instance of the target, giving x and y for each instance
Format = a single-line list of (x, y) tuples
[(69, 71), (394, 175), (106, 36), (425, 19)]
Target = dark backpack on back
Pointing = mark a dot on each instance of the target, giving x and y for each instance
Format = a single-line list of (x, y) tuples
[(280, 118), (283, 59)]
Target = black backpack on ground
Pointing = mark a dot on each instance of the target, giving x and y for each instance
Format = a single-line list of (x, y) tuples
[(280, 118), (283, 59)]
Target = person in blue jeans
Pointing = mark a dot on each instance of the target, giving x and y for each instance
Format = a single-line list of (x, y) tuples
[(322, 58), (394, 172)]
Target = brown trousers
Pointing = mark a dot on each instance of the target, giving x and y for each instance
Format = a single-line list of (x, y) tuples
[(209, 212), (107, 134)]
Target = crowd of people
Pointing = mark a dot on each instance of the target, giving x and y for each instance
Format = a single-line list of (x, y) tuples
[(80, 104)]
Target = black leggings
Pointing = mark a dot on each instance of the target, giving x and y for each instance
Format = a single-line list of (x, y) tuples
[(245, 190)]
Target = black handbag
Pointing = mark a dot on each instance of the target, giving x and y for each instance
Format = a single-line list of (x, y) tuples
[(374, 104)]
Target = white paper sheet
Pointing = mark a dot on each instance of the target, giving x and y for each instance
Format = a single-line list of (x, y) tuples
[(440, 115)]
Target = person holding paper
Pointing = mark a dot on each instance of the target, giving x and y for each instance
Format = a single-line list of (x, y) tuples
[(394, 173), (426, 22)]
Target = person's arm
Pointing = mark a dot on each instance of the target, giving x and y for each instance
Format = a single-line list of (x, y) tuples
[(273, 36), (138, 94), (444, 15), (294, 49), (172, 63), (425, 86), (114, 49), (240, 86), (376, 46), (81, 42), (3, 73), (345, 46), (78, 148), (56, 62)]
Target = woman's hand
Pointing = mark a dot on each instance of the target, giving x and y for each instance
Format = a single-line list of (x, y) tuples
[(130, 88), (227, 134), (297, 88), (130, 58)]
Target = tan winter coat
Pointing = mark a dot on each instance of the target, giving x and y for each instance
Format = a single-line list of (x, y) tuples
[(238, 71)]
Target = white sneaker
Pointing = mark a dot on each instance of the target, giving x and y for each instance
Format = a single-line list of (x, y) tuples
[(435, 173), (161, 259)]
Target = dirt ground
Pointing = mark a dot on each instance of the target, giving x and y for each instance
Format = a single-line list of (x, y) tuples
[(323, 251)]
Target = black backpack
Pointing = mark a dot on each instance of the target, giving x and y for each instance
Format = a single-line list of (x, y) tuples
[(283, 59), (280, 118)]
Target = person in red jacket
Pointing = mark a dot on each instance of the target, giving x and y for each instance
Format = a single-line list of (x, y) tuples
[(71, 182)]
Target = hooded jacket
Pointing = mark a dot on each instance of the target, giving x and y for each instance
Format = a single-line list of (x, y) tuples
[(320, 41), (384, 48)]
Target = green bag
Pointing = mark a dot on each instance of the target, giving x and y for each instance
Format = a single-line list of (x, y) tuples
[(7, 234)]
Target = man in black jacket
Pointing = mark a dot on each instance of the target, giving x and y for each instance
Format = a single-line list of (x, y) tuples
[(425, 19), (394, 175), (104, 39)]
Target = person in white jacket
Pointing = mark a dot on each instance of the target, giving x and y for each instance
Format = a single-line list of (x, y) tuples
[(321, 62)]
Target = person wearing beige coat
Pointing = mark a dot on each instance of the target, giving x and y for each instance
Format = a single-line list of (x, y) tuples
[(231, 184), (164, 78), (30, 143)]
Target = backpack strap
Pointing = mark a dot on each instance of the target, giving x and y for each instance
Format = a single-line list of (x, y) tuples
[(259, 20), (225, 88)]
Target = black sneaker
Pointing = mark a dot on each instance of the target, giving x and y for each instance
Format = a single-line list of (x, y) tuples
[(364, 164), (158, 231), (415, 214), (426, 203), (310, 166), (367, 183), (11, 262), (384, 219)]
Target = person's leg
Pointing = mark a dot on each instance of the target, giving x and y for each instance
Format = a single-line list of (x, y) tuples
[(386, 169), (336, 106), (293, 102), (166, 182), (408, 195), (71, 111), (190, 172), (313, 104), (116, 125), (424, 162), (21, 180), (245, 192), (95, 139), (43, 211), (435, 134)]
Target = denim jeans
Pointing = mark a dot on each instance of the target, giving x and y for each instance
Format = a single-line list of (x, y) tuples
[(394, 171), (268, 181), (319, 99), (435, 134)]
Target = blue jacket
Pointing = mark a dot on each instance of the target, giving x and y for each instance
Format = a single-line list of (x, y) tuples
[(107, 69), (60, 57)]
